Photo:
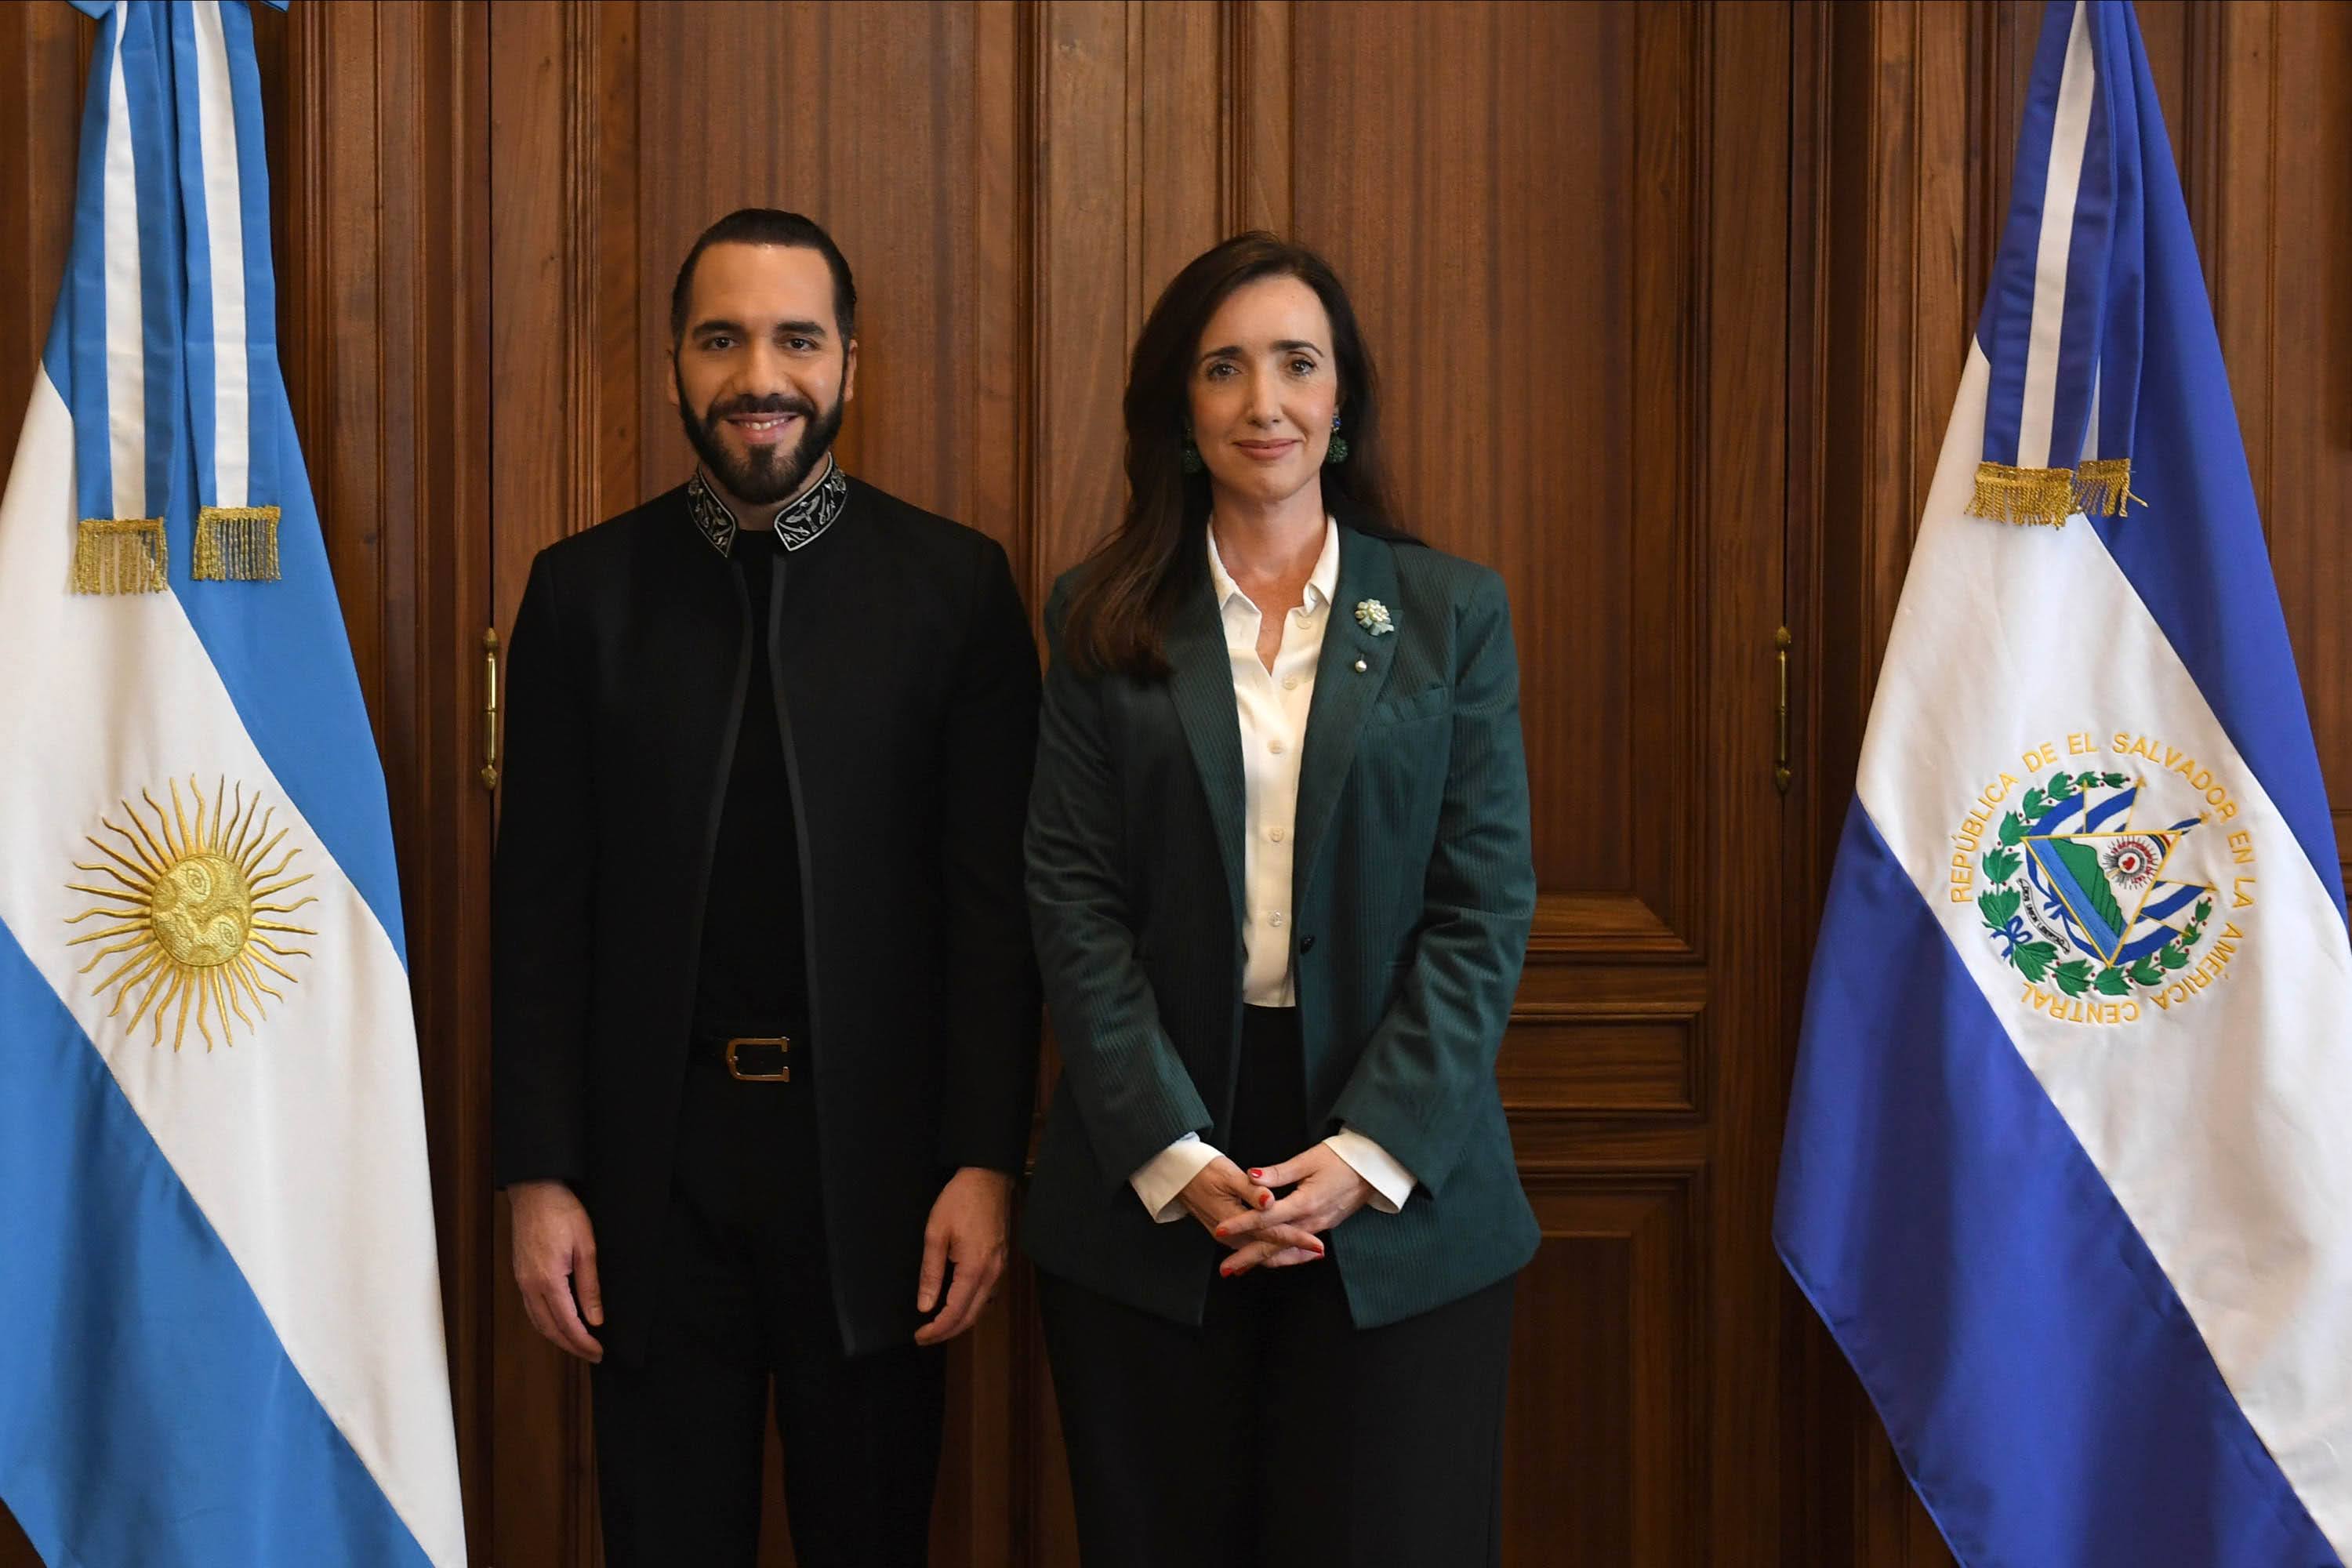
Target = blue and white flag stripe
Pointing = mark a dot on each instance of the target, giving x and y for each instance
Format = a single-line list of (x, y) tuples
[(121, 1272), (216, 1265), (2091, 1249), (2061, 324), (225, 173)]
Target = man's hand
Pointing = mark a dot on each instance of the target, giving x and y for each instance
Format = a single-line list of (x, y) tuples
[(968, 1228), (1220, 1196), (555, 1262)]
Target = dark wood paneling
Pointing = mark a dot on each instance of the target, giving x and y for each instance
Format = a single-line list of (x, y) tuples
[(2275, 76), (1599, 1421), (46, 50)]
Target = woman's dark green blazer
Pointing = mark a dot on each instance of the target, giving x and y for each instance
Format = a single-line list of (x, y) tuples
[(1413, 890)]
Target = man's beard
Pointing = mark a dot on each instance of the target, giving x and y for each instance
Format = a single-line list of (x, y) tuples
[(761, 475)]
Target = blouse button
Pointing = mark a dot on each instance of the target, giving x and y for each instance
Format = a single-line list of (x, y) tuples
[(1275, 920), (1275, 834), (1274, 746), (1290, 683)]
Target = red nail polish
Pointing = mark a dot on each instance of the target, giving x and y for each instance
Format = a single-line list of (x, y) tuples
[(1255, 1172), (1266, 1200)]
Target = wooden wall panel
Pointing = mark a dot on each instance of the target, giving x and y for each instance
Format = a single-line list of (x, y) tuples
[(2287, 164), (46, 50), (1599, 1417)]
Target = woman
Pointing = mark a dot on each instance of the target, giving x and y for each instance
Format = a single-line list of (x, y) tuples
[(1280, 880)]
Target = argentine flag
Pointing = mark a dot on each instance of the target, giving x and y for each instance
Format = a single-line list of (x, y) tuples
[(2069, 1161), (220, 1320)]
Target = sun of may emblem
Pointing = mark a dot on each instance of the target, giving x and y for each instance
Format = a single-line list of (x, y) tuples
[(187, 912), (2089, 884)]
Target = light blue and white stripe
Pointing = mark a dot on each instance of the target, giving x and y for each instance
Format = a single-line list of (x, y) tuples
[(217, 1267)]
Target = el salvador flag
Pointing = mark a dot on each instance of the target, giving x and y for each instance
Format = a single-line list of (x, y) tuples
[(220, 1316), (2067, 1171)]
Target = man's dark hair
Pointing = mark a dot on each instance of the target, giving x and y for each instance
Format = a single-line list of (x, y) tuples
[(769, 226)]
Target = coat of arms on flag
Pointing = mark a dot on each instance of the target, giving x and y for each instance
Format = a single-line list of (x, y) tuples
[(2092, 890)]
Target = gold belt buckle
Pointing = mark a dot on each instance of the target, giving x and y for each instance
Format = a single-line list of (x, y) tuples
[(782, 1075)]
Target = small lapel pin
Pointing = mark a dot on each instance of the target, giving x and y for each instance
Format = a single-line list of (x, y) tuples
[(1361, 666), (1374, 616)]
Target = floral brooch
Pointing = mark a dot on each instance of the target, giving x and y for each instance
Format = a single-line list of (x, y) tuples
[(1374, 616)]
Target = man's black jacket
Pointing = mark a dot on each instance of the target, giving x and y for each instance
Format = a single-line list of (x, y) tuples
[(907, 687)]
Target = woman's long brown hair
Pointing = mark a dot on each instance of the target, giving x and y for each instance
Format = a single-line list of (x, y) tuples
[(1128, 592)]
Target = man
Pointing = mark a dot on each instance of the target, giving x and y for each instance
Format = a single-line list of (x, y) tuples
[(765, 1009)]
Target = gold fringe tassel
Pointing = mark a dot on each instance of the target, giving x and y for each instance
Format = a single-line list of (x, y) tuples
[(120, 555), (2040, 497), (236, 544), (2103, 485)]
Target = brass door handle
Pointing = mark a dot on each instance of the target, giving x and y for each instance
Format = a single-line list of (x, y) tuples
[(490, 773), (1781, 640)]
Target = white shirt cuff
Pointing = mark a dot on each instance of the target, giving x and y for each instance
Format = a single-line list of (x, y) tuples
[(1391, 1183), (1169, 1173)]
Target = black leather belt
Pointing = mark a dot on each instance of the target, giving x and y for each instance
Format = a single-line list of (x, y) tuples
[(749, 1059)]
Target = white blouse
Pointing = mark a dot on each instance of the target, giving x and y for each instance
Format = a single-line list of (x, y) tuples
[(1273, 706)]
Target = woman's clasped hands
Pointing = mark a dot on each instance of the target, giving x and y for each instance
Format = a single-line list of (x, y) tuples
[(1246, 1211)]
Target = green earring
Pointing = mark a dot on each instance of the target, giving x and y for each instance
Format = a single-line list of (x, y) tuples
[(1190, 459), (1339, 452)]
